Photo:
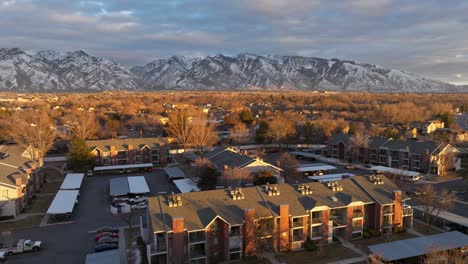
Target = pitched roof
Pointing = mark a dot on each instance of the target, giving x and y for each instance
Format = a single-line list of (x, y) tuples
[(200, 208), (377, 142), (230, 158), (336, 138), (13, 163), (413, 146), (122, 144)]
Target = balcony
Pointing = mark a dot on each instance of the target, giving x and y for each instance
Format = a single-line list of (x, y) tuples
[(299, 223), (387, 224), (338, 221), (235, 244), (160, 245), (197, 237), (407, 211), (197, 251), (316, 220), (387, 210), (358, 214), (357, 228)]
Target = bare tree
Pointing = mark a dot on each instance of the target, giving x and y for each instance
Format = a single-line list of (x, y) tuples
[(433, 203), (262, 237), (239, 133), (280, 127), (438, 256), (35, 132), (289, 166), (83, 124), (203, 133), (179, 126), (235, 176)]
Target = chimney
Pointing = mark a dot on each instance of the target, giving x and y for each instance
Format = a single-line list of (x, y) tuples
[(284, 227), (19, 180), (226, 167), (249, 232), (130, 147), (278, 163), (178, 243)]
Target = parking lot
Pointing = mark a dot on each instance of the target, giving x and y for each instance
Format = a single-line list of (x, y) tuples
[(71, 241)]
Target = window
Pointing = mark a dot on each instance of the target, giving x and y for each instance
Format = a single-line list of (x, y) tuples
[(195, 237), (235, 231)]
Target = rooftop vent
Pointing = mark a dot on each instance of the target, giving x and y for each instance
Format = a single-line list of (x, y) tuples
[(376, 180), (175, 200), (334, 186), (304, 189), (272, 190), (237, 194), (333, 198)]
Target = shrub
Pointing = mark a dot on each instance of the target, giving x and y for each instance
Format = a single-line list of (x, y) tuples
[(309, 245)]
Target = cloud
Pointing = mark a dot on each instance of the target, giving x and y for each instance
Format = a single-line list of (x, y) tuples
[(429, 39)]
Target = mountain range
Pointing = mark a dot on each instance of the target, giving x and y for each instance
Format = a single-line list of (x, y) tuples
[(52, 71)]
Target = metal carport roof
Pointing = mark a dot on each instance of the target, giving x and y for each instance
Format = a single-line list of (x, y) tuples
[(119, 186), (64, 202), (137, 185), (174, 172), (419, 246), (72, 181)]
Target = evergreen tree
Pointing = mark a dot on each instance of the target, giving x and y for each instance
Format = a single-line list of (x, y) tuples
[(246, 117), (79, 155), (262, 132)]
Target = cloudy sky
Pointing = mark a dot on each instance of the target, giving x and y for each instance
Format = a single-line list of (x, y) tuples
[(427, 37)]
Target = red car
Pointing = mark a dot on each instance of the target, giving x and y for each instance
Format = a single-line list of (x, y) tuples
[(106, 234)]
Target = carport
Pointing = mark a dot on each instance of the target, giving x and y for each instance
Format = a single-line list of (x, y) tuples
[(395, 171), (63, 203), (186, 185), (419, 246), (72, 181), (128, 185), (174, 173), (310, 168)]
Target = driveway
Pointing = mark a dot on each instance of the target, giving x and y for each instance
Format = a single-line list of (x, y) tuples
[(70, 242)]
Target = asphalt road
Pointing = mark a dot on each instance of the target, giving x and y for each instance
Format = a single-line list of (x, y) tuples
[(70, 242)]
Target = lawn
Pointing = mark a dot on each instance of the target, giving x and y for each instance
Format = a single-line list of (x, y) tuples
[(52, 174), (40, 204), (363, 243), (421, 228), (29, 222), (332, 252), (50, 187)]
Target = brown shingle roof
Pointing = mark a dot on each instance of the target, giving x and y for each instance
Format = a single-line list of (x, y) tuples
[(122, 144), (200, 208)]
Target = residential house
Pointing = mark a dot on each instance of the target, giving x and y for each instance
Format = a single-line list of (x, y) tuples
[(225, 225), (131, 151), (223, 158), (18, 180), (428, 127), (422, 156)]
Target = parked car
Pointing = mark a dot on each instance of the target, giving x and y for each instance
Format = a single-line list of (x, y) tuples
[(108, 240), (138, 199), (106, 234), (105, 247), (3, 256), (141, 205), (412, 178), (23, 245), (350, 167), (107, 229)]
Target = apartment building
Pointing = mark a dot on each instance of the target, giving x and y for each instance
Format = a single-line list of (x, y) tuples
[(421, 156), (223, 225), (131, 151), (18, 180)]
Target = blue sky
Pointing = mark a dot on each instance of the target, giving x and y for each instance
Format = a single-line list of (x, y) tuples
[(426, 37)]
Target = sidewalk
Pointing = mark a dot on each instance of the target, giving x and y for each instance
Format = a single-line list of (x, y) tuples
[(22, 217)]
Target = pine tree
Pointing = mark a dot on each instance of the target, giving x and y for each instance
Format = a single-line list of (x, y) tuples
[(79, 155)]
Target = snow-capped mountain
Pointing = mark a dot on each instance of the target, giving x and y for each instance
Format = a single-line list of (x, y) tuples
[(56, 71), (247, 72), (77, 71)]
